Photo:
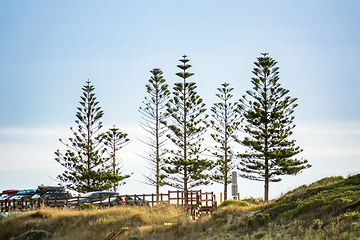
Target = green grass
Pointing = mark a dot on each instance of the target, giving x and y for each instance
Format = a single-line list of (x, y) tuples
[(326, 209)]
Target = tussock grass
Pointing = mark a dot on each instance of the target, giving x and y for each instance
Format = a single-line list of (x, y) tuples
[(88, 224)]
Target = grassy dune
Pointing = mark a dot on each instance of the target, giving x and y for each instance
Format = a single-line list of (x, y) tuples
[(326, 209)]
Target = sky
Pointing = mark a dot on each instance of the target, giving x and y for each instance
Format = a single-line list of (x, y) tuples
[(49, 49)]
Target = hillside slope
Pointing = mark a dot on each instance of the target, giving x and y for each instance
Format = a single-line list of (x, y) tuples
[(326, 209)]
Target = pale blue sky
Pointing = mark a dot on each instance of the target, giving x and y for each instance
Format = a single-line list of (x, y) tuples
[(48, 49)]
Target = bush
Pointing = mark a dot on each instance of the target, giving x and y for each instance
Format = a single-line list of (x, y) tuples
[(86, 206), (259, 220), (35, 235), (218, 222), (259, 235), (234, 202)]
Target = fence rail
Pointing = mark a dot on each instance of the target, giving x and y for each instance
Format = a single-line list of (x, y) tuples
[(195, 200)]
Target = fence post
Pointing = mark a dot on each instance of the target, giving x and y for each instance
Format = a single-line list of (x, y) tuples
[(177, 197)]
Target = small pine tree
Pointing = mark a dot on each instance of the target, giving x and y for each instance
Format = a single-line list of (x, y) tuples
[(185, 167), (84, 161), (153, 114), (225, 122), (269, 125), (115, 140)]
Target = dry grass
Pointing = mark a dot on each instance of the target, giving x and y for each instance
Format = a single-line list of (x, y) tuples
[(89, 224), (326, 209)]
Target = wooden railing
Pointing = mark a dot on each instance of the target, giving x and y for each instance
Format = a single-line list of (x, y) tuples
[(195, 199)]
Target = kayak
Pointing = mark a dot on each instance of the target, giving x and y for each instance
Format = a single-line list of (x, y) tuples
[(10, 191), (27, 191)]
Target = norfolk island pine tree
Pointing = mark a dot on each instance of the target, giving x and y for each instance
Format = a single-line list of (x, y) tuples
[(225, 123), (268, 125), (153, 113), (114, 140), (185, 167), (85, 165)]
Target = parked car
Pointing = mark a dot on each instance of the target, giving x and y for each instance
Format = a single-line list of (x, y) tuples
[(26, 193), (121, 200), (51, 192), (22, 194), (50, 189), (60, 197), (113, 201), (139, 201), (93, 197), (8, 193)]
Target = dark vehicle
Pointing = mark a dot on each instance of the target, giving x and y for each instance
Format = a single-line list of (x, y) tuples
[(50, 189), (113, 201), (92, 197), (139, 201), (8, 193), (52, 194), (121, 201)]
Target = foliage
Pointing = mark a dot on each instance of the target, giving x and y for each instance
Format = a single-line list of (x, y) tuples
[(35, 235), (185, 167), (259, 220), (115, 140), (225, 122), (83, 160), (234, 202), (268, 125), (87, 206), (153, 114)]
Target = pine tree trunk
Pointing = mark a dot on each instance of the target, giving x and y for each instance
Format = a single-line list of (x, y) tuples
[(266, 197), (157, 148)]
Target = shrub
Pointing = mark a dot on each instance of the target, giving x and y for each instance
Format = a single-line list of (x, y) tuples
[(353, 205), (259, 220), (259, 235), (35, 235), (218, 222), (87, 206), (234, 202), (326, 181)]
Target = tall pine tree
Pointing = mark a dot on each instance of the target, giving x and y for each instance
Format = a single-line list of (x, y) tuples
[(186, 168), (225, 123), (83, 160), (153, 113), (114, 140), (268, 125)]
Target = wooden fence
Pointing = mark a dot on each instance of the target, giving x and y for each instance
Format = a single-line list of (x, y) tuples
[(196, 201)]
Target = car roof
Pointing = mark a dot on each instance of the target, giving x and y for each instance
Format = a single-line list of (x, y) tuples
[(100, 192)]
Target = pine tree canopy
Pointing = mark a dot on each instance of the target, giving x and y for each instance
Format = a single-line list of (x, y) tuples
[(85, 165), (186, 167), (268, 125), (153, 114), (225, 123)]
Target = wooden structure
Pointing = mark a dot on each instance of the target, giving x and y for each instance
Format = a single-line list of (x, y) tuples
[(115, 233), (197, 202)]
